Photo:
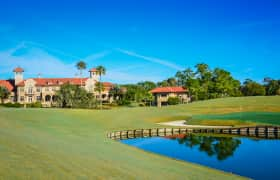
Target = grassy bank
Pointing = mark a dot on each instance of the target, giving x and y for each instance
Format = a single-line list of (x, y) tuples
[(239, 118), (71, 144)]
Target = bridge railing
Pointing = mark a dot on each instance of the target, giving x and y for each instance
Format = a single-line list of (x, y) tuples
[(265, 132)]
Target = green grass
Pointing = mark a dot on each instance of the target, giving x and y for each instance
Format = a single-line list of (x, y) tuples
[(72, 144), (239, 118)]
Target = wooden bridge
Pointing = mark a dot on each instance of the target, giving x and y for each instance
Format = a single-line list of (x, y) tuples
[(264, 132)]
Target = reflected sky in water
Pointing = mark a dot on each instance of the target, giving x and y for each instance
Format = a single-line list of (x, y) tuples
[(257, 159)]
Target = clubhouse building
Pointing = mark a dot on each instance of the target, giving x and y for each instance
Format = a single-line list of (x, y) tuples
[(43, 90), (161, 94)]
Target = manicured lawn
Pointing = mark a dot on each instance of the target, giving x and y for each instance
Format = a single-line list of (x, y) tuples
[(239, 118), (72, 144)]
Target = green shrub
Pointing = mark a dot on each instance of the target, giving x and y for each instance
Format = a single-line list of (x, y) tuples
[(173, 100), (12, 105), (123, 102), (34, 105)]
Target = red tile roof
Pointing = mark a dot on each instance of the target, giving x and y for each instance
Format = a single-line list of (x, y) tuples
[(56, 81), (60, 81), (93, 70), (173, 89), (106, 84), (6, 84), (18, 69)]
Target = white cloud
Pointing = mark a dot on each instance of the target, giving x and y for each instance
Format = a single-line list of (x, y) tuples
[(96, 56), (151, 59), (35, 61), (49, 49)]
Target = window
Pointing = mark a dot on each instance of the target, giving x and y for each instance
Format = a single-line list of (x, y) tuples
[(29, 98), (12, 98), (163, 95), (48, 98), (38, 89), (21, 98), (21, 89), (38, 98), (47, 88), (30, 90)]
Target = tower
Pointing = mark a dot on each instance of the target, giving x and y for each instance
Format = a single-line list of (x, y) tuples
[(94, 74), (18, 75)]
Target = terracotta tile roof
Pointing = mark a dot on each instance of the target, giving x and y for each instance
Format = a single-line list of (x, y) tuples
[(107, 85), (7, 84), (93, 70), (55, 81), (18, 69), (60, 81), (173, 89)]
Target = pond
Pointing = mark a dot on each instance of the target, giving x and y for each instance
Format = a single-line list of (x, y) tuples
[(253, 158)]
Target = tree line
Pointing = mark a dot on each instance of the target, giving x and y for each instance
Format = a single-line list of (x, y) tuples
[(204, 83), (201, 82)]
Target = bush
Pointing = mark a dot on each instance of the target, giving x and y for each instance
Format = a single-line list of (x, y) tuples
[(34, 105), (123, 102), (173, 100), (12, 105)]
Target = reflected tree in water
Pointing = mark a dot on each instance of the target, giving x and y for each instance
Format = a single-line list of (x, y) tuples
[(221, 147)]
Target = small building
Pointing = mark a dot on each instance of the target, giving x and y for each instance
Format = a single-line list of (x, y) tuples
[(8, 84), (161, 94)]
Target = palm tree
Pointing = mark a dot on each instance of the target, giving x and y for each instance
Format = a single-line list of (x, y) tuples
[(100, 71), (81, 65)]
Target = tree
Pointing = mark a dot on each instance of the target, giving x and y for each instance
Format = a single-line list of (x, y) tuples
[(147, 85), (203, 83), (163, 83), (101, 71), (202, 70), (4, 93), (172, 81), (138, 93), (204, 76), (252, 88), (81, 65), (169, 82), (72, 96), (180, 78), (221, 147), (224, 85), (173, 100), (272, 87), (115, 92), (99, 87)]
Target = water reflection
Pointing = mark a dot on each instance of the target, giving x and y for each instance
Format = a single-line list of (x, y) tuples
[(254, 158), (221, 147)]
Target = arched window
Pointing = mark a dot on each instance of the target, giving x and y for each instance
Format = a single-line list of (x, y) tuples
[(48, 98), (54, 98)]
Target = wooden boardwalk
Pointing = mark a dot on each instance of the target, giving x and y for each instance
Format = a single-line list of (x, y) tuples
[(265, 132)]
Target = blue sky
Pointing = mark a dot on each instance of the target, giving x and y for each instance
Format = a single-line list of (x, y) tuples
[(140, 40)]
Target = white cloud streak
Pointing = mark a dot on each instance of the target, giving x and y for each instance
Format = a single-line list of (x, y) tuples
[(37, 60), (150, 59), (42, 46)]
